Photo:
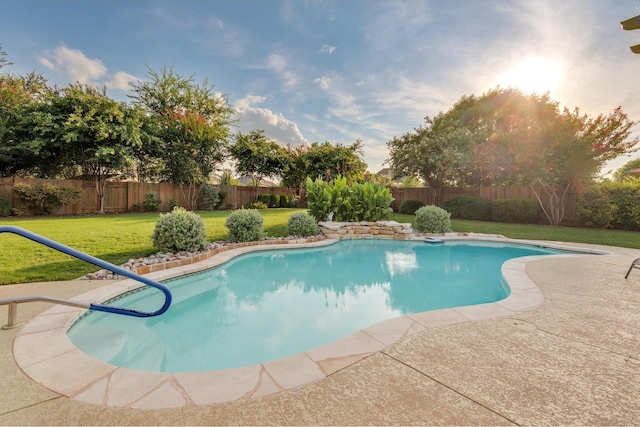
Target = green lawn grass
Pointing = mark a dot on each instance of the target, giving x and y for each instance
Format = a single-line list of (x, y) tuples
[(113, 238), (117, 238)]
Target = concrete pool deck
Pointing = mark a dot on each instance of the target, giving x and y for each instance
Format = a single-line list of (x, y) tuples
[(568, 355)]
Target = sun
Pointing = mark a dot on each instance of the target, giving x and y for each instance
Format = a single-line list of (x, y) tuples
[(533, 75)]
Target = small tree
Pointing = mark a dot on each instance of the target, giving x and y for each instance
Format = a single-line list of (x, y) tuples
[(434, 152), (259, 157)]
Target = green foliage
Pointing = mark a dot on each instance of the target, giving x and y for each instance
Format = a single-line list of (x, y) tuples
[(173, 203), (521, 211), (135, 207), (294, 202), (325, 160), (284, 201), (209, 197), (358, 202), (611, 205), (179, 230), (245, 225), (274, 200), (259, 157), (410, 206), (150, 203), (435, 152), (432, 219), (227, 178), (45, 199), (5, 207), (255, 205), (302, 224), (186, 128), (468, 207), (625, 171)]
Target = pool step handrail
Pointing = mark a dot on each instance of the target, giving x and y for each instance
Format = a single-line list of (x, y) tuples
[(12, 302)]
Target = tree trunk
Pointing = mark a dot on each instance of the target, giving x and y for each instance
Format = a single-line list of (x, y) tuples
[(101, 184), (555, 210)]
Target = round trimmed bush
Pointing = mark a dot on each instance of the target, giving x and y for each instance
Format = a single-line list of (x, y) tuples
[(410, 206), (432, 219), (302, 224), (245, 225), (179, 230)]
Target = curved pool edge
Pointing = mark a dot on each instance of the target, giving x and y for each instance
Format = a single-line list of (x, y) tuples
[(44, 352)]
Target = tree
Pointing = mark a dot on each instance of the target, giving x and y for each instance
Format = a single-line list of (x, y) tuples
[(258, 156), (434, 152), (187, 129), (29, 143), (99, 133), (625, 171), (540, 145), (326, 160), (3, 60), (296, 174)]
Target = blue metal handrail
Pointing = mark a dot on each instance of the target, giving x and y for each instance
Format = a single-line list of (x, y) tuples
[(100, 263)]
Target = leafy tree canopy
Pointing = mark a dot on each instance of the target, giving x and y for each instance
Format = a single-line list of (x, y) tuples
[(258, 156), (625, 171)]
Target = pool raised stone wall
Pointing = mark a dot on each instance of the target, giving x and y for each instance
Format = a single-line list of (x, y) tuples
[(367, 230)]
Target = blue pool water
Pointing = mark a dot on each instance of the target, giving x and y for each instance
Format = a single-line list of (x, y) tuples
[(267, 305)]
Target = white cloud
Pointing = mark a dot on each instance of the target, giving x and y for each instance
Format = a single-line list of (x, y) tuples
[(327, 49), (323, 82), (275, 125), (278, 63), (74, 64), (121, 80)]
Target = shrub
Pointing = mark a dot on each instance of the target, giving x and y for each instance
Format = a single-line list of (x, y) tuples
[(611, 205), (173, 203), (5, 207), (432, 219), (179, 230), (294, 202), (245, 225), (358, 202), (302, 224), (264, 199), (468, 207), (274, 200), (595, 208), (45, 199), (284, 201), (150, 203), (209, 197), (410, 206), (255, 205), (521, 211)]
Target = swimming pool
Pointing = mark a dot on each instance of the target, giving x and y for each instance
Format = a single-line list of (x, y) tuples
[(268, 305)]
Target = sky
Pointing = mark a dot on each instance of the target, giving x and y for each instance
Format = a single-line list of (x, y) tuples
[(306, 71)]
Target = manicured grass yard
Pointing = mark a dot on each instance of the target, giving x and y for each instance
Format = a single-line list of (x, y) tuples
[(117, 238), (113, 238)]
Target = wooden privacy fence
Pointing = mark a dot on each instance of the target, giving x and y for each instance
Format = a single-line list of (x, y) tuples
[(120, 197), (427, 196), (123, 196)]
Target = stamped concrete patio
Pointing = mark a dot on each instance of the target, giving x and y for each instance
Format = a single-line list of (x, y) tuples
[(572, 360)]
